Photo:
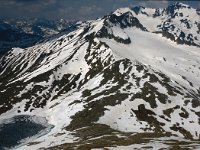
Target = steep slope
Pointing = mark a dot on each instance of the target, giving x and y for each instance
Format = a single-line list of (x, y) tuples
[(114, 75)]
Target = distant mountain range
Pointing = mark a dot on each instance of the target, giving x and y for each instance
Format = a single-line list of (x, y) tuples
[(128, 80), (27, 32)]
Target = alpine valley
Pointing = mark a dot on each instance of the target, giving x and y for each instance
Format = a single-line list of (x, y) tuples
[(128, 80)]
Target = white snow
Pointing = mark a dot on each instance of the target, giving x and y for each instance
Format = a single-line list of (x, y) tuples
[(120, 117), (179, 58)]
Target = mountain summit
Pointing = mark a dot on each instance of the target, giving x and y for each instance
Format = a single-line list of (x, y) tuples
[(121, 80)]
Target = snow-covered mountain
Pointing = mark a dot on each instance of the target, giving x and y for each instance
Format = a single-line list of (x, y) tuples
[(27, 32), (40, 26), (128, 80)]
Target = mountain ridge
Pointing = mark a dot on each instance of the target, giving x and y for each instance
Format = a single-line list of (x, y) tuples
[(116, 73)]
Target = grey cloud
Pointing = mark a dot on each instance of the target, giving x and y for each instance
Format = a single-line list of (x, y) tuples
[(155, 4), (71, 9)]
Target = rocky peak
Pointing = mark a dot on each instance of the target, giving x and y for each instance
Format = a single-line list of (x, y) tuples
[(172, 9), (137, 9), (124, 20)]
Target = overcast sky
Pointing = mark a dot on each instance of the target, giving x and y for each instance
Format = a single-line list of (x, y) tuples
[(73, 9)]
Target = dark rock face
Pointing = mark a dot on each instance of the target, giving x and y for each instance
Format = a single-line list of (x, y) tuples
[(105, 33), (169, 30), (170, 10), (157, 13), (186, 22), (198, 25), (125, 20)]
